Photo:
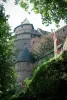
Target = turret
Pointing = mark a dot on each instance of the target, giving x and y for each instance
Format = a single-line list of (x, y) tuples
[(24, 34)]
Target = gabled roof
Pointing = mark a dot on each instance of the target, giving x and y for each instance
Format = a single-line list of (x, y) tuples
[(35, 32), (43, 32)]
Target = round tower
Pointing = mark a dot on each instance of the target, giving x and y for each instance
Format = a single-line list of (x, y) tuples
[(23, 36), (23, 56)]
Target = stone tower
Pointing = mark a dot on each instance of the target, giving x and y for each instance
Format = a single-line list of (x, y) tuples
[(23, 36)]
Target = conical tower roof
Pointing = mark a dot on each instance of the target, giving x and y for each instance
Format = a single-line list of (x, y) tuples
[(26, 21)]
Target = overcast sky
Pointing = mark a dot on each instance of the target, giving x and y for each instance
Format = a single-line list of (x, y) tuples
[(17, 15)]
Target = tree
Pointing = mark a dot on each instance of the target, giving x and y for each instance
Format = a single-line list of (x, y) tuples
[(50, 10), (6, 59)]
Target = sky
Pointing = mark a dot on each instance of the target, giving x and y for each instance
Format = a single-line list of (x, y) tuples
[(17, 15)]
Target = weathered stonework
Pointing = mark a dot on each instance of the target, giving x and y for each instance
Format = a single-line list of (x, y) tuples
[(24, 70), (24, 34), (65, 45), (28, 40)]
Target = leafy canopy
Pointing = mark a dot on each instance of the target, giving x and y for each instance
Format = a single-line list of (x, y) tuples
[(50, 10), (6, 61)]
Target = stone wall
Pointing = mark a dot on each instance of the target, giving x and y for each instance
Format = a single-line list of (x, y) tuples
[(61, 34), (46, 43), (41, 46), (65, 45), (23, 29), (24, 70)]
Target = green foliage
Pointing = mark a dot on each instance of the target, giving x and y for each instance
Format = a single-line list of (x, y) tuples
[(50, 10), (27, 82), (49, 81), (24, 5), (7, 73)]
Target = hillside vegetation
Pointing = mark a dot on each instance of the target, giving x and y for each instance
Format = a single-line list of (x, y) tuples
[(49, 81)]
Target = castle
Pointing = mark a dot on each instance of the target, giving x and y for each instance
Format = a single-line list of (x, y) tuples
[(24, 34), (26, 40)]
